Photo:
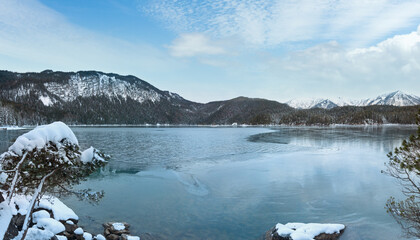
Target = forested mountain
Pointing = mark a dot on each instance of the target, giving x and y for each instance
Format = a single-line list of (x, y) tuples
[(92, 97)]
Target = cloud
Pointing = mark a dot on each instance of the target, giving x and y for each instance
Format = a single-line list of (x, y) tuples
[(330, 69), (34, 37), (229, 48), (194, 44), (391, 55), (262, 23)]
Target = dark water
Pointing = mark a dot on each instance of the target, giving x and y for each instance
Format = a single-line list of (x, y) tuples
[(236, 183)]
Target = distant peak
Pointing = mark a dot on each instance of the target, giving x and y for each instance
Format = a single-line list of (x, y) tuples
[(47, 71), (398, 92), (396, 98)]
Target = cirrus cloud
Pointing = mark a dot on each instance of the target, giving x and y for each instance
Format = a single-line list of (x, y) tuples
[(194, 44), (262, 23)]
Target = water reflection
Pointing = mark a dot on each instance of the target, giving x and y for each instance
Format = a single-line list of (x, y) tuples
[(379, 138), (228, 183)]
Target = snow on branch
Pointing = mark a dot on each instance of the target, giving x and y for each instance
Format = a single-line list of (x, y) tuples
[(48, 159)]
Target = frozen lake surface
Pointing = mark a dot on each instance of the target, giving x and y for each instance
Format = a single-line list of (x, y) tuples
[(236, 183)]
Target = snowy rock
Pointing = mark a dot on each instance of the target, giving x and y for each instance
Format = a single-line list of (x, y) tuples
[(78, 231), (39, 234), (59, 209), (51, 225), (129, 237), (87, 236), (70, 226), (118, 226), (302, 231), (36, 216), (100, 237), (59, 237), (115, 230)]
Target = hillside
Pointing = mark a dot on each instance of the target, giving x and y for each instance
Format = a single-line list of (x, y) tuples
[(92, 97)]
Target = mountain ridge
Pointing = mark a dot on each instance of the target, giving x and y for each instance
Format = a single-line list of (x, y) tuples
[(396, 98), (94, 97)]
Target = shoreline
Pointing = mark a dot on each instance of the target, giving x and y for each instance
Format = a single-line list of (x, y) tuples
[(11, 128)]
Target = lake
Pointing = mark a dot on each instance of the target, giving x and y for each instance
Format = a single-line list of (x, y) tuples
[(236, 183)]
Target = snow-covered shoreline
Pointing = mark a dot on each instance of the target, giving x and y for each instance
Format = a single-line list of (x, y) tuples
[(38, 163), (50, 218), (305, 231), (214, 126), (11, 128)]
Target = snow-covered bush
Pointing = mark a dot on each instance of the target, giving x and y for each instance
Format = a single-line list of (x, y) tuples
[(48, 159)]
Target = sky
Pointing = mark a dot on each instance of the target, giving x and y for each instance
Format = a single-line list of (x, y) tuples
[(221, 49)]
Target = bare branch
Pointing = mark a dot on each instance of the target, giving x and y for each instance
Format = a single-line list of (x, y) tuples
[(16, 170), (32, 204)]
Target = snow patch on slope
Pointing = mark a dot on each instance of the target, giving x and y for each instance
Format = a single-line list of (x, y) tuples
[(46, 100), (101, 85), (304, 103)]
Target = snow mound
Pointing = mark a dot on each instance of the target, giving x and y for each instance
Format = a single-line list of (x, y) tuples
[(3, 177), (308, 231), (87, 236), (41, 217), (51, 225), (59, 209), (59, 237), (36, 216), (5, 217), (40, 136), (38, 234), (100, 237), (78, 231), (21, 204), (89, 155)]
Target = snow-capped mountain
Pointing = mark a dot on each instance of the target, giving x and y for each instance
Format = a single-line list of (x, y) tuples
[(397, 98), (311, 103), (68, 87), (92, 97)]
